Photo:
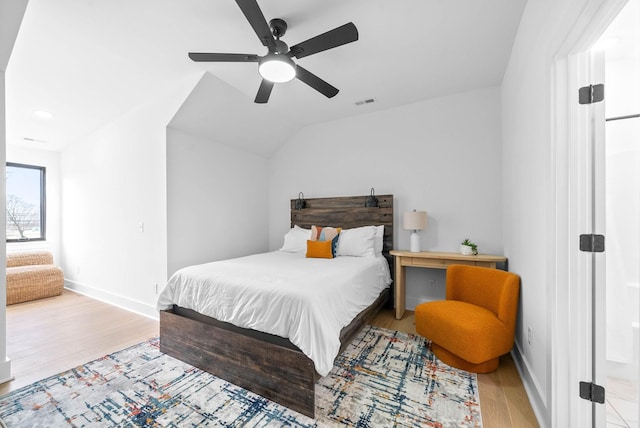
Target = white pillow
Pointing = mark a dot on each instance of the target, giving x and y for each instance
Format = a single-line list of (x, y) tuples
[(295, 240), (379, 239), (357, 242)]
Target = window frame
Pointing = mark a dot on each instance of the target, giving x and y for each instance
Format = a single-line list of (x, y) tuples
[(43, 199)]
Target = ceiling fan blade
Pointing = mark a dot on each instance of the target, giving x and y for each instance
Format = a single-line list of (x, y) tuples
[(315, 82), (342, 35), (256, 18), (222, 57), (264, 92)]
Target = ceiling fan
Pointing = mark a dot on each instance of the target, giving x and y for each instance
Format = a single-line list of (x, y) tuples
[(277, 66)]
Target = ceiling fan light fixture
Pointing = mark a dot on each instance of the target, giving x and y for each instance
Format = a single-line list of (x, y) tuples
[(277, 68)]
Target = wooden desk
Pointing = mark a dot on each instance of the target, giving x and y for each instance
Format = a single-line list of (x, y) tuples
[(427, 259)]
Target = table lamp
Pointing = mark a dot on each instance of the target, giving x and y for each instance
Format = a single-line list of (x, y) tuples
[(415, 221)]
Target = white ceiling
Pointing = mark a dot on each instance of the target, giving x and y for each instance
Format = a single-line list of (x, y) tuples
[(89, 61)]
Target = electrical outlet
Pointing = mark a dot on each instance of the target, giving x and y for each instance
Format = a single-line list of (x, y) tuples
[(432, 284), (530, 336)]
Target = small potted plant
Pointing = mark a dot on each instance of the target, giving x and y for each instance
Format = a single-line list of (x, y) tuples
[(467, 247)]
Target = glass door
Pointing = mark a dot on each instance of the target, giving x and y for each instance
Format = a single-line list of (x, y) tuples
[(622, 271), (617, 201)]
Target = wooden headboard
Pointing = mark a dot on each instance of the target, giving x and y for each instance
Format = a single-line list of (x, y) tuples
[(348, 212)]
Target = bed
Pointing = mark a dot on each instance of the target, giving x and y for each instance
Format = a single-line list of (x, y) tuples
[(270, 364)]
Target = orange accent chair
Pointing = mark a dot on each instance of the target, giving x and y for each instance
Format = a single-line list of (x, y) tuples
[(476, 323)]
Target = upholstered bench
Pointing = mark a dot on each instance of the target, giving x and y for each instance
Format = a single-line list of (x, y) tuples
[(32, 276)]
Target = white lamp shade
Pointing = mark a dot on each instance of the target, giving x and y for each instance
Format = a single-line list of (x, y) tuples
[(415, 220)]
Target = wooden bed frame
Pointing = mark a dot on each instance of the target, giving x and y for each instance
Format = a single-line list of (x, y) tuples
[(262, 363)]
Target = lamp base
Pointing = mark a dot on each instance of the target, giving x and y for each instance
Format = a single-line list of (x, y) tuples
[(415, 242)]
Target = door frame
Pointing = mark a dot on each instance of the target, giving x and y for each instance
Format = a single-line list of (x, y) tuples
[(570, 326)]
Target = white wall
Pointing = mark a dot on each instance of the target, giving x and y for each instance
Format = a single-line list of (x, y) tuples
[(51, 161), (11, 13), (114, 182), (5, 362), (441, 155), (216, 199)]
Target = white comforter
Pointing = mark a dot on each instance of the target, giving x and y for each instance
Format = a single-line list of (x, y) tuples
[(303, 299)]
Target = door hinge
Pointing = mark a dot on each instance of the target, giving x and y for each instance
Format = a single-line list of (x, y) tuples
[(591, 94), (592, 243), (592, 392)]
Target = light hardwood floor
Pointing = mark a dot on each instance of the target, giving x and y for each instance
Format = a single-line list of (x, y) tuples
[(503, 400), (52, 335), (49, 336)]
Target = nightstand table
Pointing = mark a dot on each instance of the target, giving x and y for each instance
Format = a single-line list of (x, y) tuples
[(433, 260)]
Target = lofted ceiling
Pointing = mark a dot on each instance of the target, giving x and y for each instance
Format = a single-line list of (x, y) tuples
[(87, 62)]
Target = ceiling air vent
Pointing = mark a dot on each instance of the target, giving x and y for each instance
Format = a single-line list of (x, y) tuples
[(367, 101), (33, 140)]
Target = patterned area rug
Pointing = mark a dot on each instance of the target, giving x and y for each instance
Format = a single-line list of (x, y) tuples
[(383, 379)]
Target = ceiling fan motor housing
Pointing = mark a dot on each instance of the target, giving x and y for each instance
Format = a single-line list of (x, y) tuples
[(281, 47), (278, 27)]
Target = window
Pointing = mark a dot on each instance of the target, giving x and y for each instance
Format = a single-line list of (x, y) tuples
[(25, 202)]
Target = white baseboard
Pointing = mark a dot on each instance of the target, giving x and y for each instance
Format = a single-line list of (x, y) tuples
[(5, 371), (113, 299), (411, 303), (530, 386)]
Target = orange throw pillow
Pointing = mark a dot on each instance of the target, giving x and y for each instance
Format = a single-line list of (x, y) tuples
[(319, 249)]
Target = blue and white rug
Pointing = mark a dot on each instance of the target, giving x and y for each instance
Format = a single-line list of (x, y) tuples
[(383, 379)]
